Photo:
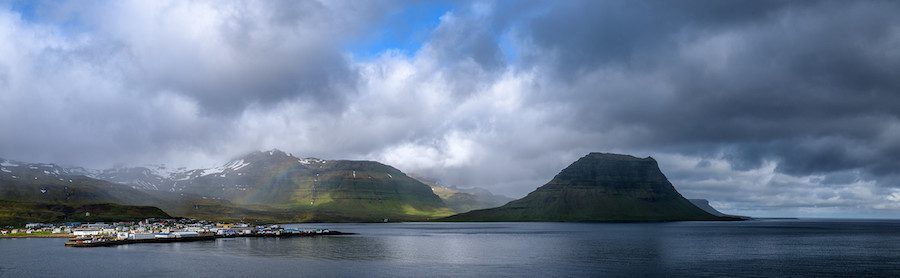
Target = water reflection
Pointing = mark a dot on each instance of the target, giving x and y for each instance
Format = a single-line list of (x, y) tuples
[(755, 248)]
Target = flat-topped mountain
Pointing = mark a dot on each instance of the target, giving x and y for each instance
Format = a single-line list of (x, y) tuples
[(600, 187)]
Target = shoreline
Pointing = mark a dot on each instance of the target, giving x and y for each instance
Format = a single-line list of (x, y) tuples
[(74, 242)]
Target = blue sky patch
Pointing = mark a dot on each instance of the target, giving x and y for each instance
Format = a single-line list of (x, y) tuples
[(404, 30)]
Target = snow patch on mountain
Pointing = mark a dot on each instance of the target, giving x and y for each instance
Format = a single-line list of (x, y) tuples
[(310, 160), (237, 165), (231, 166)]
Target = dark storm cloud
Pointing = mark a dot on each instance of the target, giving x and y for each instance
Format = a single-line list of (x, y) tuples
[(583, 35), (812, 84)]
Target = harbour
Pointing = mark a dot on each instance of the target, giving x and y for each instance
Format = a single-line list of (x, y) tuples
[(105, 241), (158, 231)]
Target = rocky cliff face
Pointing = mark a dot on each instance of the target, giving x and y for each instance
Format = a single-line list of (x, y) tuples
[(600, 187)]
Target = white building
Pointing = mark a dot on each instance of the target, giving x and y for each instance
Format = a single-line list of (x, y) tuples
[(141, 236), (163, 235), (86, 232), (185, 234)]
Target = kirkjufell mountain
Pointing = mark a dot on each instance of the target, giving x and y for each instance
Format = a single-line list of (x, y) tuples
[(600, 187)]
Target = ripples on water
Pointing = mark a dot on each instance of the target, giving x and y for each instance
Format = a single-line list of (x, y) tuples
[(750, 248)]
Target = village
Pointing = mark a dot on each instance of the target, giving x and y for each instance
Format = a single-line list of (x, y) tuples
[(153, 231)]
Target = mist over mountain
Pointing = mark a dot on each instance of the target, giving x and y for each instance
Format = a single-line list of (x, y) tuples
[(464, 199), (43, 192)]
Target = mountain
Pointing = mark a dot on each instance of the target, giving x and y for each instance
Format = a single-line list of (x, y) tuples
[(278, 187), (52, 192), (323, 190), (599, 187), (50, 183), (464, 199)]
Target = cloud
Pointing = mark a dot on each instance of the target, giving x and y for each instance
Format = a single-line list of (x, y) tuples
[(228, 55), (764, 107), (809, 86)]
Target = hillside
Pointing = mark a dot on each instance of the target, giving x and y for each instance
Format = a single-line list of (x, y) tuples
[(599, 187), (49, 183), (20, 213)]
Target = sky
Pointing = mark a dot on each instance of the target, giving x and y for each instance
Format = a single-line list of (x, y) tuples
[(766, 108)]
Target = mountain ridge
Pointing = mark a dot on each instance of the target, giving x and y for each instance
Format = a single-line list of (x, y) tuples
[(277, 185), (47, 192)]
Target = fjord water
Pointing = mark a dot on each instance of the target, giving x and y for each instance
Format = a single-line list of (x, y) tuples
[(748, 248)]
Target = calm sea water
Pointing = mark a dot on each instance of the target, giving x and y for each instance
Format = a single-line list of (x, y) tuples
[(750, 248)]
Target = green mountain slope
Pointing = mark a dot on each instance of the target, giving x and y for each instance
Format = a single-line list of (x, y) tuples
[(20, 213), (35, 192), (599, 187), (276, 185), (69, 190)]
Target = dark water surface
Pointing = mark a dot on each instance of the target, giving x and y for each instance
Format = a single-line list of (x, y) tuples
[(750, 248)]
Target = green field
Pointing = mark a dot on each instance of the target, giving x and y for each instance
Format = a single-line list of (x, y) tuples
[(19, 213)]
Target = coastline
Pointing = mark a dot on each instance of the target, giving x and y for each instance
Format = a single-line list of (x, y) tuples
[(78, 242)]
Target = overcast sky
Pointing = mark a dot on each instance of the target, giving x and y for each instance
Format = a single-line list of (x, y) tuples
[(782, 108)]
